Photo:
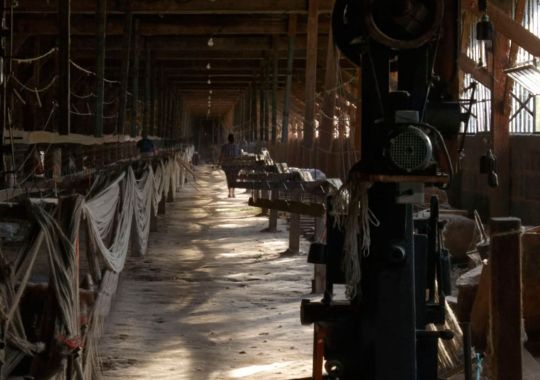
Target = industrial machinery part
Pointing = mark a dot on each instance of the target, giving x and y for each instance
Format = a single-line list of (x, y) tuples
[(397, 24), (409, 149), (380, 332)]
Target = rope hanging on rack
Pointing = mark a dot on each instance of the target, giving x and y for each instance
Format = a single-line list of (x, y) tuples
[(91, 73), (353, 214), (35, 59)]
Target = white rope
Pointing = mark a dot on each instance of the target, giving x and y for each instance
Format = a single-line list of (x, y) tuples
[(34, 90), (353, 214), (91, 73), (35, 59)]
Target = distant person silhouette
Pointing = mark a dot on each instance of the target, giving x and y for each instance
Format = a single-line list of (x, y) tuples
[(229, 152)]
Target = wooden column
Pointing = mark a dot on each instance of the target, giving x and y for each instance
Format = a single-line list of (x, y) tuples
[(326, 128), (64, 67), (288, 87), (126, 47), (153, 91), (253, 113), (101, 15), (261, 111), (274, 90), (294, 230), (162, 205), (56, 164), (147, 84), (273, 214), (247, 115), (499, 202), (135, 80), (161, 103), (266, 103), (311, 75), (506, 298)]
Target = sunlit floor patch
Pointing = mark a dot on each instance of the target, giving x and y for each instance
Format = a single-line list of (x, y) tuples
[(244, 372)]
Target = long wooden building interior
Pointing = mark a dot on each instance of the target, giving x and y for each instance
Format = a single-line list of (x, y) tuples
[(270, 189)]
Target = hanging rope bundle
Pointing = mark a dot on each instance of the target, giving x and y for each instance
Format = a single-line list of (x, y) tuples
[(351, 206)]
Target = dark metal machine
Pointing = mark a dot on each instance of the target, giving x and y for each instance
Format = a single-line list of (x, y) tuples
[(408, 115)]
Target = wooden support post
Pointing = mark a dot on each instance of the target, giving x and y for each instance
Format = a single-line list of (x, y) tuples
[(247, 123), (266, 105), (64, 67), (101, 15), (161, 103), (264, 194), (294, 230), (319, 277), (326, 129), (254, 113), (293, 19), (126, 48), (499, 201), (147, 128), (56, 164), (171, 191), (152, 125), (162, 204), (506, 298), (135, 80), (275, 72), (261, 110), (311, 76), (273, 217)]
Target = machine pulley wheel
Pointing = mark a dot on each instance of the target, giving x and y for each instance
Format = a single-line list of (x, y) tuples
[(397, 24)]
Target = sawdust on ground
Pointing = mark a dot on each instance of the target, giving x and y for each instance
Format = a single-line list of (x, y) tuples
[(213, 298)]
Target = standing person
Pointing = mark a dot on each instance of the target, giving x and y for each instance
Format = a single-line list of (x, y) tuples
[(230, 151), (146, 146)]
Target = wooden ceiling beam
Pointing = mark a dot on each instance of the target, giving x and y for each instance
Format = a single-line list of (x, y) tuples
[(84, 25), (164, 7), (200, 44)]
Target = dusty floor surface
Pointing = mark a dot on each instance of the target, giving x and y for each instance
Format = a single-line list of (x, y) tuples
[(213, 299)]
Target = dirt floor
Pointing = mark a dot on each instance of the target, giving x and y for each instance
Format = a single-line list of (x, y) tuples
[(213, 299)]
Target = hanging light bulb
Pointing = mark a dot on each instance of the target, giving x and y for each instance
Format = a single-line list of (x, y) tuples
[(211, 42), (210, 92), (208, 65), (209, 81)]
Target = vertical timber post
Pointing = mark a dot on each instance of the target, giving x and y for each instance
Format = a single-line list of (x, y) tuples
[(506, 306), (101, 15), (135, 79), (294, 229), (64, 52), (288, 87), (275, 70), (152, 101), (126, 47), (261, 110), (499, 199), (147, 128), (266, 105), (311, 78), (273, 214), (253, 117), (326, 130)]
